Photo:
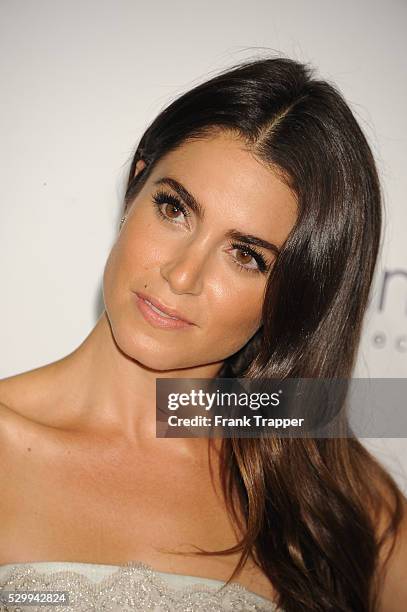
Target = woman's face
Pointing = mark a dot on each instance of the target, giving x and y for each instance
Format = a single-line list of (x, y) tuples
[(188, 262)]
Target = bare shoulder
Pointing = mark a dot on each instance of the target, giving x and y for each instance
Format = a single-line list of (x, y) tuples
[(30, 396), (15, 431), (21, 391), (7, 426), (20, 416), (392, 565), (14, 436), (12, 390)]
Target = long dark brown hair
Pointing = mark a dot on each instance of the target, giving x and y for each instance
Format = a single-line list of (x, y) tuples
[(311, 506)]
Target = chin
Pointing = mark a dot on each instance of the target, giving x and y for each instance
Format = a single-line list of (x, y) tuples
[(147, 351)]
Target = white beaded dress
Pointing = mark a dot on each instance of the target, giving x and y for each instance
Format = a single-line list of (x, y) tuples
[(121, 588)]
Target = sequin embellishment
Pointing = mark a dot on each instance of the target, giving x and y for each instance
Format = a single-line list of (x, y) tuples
[(133, 586)]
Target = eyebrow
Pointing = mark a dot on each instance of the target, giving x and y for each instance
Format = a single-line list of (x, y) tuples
[(198, 209)]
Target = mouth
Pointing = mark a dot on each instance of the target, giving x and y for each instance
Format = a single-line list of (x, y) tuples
[(160, 315)]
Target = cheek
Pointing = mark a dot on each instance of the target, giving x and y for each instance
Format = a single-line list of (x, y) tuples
[(143, 244), (112, 279), (236, 319), (136, 251)]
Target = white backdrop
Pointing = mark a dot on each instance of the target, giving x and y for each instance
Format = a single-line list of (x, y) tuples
[(82, 79)]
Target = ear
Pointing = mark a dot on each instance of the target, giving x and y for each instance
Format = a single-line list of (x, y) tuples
[(140, 165)]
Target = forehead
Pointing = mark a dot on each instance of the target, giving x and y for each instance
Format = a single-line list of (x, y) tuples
[(233, 186)]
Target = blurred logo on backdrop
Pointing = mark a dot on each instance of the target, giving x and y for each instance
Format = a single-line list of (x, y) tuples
[(384, 341), (390, 277)]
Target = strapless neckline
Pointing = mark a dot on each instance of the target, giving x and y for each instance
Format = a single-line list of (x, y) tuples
[(137, 577)]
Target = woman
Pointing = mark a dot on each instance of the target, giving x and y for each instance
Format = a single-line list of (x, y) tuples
[(247, 246)]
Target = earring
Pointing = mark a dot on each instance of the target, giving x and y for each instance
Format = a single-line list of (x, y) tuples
[(122, 220)]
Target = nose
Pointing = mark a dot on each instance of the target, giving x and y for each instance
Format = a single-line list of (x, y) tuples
[(184, 268)]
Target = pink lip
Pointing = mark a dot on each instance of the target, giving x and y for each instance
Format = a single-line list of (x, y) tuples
[(156, 319)]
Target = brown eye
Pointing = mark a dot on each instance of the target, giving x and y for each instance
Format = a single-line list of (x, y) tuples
[(242, 259), (171, 210), (168, 206)]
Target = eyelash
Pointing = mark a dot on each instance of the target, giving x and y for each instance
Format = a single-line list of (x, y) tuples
[(162, 197)]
